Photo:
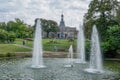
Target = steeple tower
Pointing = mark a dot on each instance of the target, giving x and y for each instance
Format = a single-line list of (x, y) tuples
[(62, 23), (62, 16)]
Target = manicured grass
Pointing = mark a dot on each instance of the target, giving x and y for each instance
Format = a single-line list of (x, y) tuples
[(60, 43), (10, 49), (48, 44), (20, 41)]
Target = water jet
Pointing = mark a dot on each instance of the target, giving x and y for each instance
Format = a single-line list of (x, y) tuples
[(96, 65), (37, 58), (70, 57), (80, 46)]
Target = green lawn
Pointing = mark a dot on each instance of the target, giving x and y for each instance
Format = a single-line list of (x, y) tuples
[(60, 43), (10, 49), (48, 44)]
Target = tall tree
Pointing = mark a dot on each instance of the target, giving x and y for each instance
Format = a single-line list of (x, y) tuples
[(49, 26), (15, 29), (3, 35), (101, 13), (112, 47), (3, 25), (19, 28)]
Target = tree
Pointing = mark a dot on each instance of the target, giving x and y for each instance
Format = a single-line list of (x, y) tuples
[(11, 37), (101, 14), (49, 26), (3, 25), (15, 29), (18, 27), (112, 45), (3, 35), (30, 31), (118, 15)]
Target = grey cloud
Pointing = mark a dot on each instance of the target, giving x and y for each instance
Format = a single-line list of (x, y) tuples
[(28, 10)]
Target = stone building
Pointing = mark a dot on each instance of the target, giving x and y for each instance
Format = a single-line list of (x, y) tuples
[(63, 31)]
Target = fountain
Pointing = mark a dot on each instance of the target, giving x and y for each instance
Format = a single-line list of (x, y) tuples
[(37, 59), (18, 68), (70, 57), (80, 46), (95, 56)]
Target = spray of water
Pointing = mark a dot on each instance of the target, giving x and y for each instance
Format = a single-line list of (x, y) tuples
[(37, 59), (80, 46), (96, 64), (70, 57)]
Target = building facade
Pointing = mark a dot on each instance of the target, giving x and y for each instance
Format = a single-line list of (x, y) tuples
[(63, 31)]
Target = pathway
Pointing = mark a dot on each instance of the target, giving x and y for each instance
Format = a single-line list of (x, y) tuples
[(23, 46)]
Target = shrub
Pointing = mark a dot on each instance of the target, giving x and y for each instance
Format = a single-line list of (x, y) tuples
[(112, 45), (3, 35), (11, 37)]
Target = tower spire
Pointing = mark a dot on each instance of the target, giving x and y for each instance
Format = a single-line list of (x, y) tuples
[(62, 17), (62, 23)]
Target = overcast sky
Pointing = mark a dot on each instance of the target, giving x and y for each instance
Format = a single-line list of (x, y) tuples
[(28, 10)]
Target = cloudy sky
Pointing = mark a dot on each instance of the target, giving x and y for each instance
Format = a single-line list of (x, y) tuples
[(28, 10)]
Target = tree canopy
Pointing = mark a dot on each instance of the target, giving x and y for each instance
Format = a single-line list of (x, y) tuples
[(14, 29), (48, 25), (105, 14), (101, 13)]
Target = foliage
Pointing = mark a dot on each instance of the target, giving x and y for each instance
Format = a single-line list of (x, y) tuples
[(101, 14), (19, 28), (15, 29), (118, 15), (3, 35), (49, 26), (112, 46), (105, 14), (11, 37), (3, 25), (6, 37)]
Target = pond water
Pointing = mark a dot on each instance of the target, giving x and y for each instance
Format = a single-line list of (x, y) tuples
[(19, 69)]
